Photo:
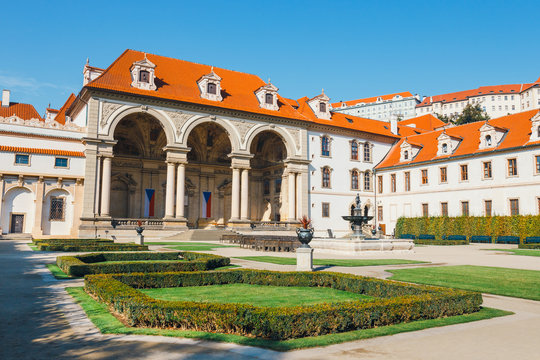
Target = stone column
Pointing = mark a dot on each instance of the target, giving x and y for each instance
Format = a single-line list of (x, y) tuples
[(98, 190), (235, 194), (169, 191), (244, 213), (38, 215), (180, 190), (299, 200), (106, 186), (1, 198), (292, 197)]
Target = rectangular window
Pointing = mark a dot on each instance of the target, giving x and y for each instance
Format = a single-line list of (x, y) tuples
[(266, 187), (465, 208), (514, 207), (425, 210), (407, 181), (61, 162), (21, 159), (393, 183), (487, 207), (464, 172), (325, 209), (512, 167), (380, 183), (444, 178), (424, 177), (537, 163), (487, 170), (56, 212), (380, 213), (277, 186), (444, 209)]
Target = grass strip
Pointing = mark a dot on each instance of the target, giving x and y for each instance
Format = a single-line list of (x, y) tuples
[(256, 295), (331, 262), (521, 252), (58, 273), (33, 247), (108, 324), (493, 280)]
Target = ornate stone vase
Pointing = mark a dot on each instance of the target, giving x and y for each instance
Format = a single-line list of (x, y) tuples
[(304, 236), (139, 230)]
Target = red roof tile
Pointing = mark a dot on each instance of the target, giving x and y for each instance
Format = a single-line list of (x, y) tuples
[(19, 149), (371, 99), (61, 117), (425, 122), (23, 111), (518, 132), (464, 95)]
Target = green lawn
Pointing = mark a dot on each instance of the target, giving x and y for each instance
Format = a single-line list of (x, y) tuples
[(58, 273), (494, 280), (330, 262), (108, 324), (523, 252), (257, 295), (189, 246)]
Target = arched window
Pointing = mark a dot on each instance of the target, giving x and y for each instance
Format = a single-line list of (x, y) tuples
[(406, 155), (354, 179), (444, 148), (325, 146), (488, 140), (144, 76), (322, 107), (269, 98), (367, 181), (367, 152), (211, 88), (326, 177), (354, 150)]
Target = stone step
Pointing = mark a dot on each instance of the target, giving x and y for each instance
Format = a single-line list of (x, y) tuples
[(16, 236), (199, 235)]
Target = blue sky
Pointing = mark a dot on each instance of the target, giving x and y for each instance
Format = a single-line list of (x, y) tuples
[(352, 49)]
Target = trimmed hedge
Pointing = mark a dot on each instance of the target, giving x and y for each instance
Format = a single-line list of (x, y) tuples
[(398, 302), (97, 263), (529, 246), (441, 242), (72, 245), (520, 225)]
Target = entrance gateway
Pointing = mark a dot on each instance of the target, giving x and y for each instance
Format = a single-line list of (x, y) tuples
[(17, 222)]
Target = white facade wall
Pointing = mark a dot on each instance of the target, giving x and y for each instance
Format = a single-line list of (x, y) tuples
[(42, 164), (340, 196), (499, 189), (530, 98), (405, 108)]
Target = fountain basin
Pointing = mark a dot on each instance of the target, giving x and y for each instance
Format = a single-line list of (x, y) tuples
[(349, 246)]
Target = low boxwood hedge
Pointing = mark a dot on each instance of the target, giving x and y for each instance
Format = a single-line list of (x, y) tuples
[(83, 245), (441, 242), (397, 302), (99, 263), (529, 246)]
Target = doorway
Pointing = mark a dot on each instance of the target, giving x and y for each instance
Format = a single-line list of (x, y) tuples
[(17, 223)]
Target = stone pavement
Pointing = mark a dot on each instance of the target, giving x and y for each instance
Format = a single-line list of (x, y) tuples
[(38, 320)]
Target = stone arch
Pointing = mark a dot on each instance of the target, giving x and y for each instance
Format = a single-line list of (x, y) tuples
[(56, 226), (18, 200), (282, 133), (124, 111), (234, 136)]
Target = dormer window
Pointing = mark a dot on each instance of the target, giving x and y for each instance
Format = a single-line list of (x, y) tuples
[(211, 88), (488, 140), (144, 76), (322, 107), (445, 148), (406, 155), (269, 99), (267, 96)]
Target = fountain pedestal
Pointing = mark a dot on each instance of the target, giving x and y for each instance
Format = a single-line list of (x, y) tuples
[(304, 259)]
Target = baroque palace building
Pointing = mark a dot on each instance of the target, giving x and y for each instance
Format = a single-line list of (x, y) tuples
[(179, 145)]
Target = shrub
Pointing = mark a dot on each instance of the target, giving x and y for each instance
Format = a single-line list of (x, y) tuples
[(520, 225), (398, 302), (529, 246), (72, 245), (99, 263)]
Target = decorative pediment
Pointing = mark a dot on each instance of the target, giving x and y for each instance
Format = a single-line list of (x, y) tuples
[(535, 127), (210, 86), (142, 74), (320, 105), (267, 96), (490, 136), (408, 151), (446, 144)]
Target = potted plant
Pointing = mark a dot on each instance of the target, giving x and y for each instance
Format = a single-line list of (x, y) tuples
[(305, 233)]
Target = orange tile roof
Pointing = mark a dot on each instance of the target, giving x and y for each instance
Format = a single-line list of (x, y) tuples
[(177, 80), (464, 95), (518, 131), (61, 117), (23, 111), (52, 110), (370, 99), (19, 149), (425, 122)]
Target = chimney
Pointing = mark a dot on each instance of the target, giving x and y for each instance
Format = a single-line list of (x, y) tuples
[(5, 98), (393, 125)]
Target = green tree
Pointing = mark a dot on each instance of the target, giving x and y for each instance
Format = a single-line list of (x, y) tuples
[(471, 113)]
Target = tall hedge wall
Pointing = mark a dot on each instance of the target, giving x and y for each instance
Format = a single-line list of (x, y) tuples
[(521, 225)]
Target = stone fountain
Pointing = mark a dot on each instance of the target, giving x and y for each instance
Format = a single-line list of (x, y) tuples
[(358, 220)]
